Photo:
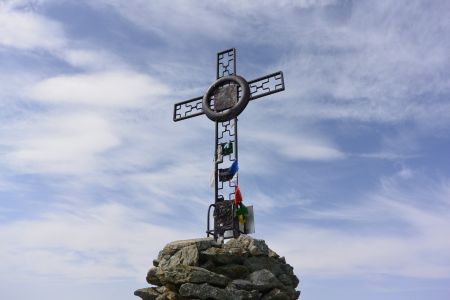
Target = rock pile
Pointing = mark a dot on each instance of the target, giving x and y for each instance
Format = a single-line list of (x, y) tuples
[(243, 268)]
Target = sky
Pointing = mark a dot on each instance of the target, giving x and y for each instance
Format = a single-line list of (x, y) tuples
[(348, 169)]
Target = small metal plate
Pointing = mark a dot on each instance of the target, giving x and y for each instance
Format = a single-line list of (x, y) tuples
[(225, 97), (250, 221), (228, 234)]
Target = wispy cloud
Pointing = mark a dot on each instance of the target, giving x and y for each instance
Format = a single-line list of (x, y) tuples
[(94, 243), (390, 231), (65, 144), (386, 156), (297, 147), (25, 30), (95, 177), (115, 89), (367, 69), (91, 59)]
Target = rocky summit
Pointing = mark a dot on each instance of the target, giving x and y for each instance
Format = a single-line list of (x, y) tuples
[(242, 268)]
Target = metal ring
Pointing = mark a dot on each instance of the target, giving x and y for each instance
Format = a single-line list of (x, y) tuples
[(232, 112)]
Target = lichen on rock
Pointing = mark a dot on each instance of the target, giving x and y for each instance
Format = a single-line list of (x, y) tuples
[(242, 268)]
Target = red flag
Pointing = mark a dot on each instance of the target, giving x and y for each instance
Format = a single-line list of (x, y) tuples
[(237, 196)]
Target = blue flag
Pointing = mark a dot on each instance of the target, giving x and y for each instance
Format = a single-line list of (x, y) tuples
[(228, 173)]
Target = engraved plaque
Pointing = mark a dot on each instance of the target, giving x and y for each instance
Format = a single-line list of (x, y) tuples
[(225, 97), (223, 214)]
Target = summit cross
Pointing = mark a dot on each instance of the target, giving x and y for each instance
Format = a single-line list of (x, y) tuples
[(224, 100)]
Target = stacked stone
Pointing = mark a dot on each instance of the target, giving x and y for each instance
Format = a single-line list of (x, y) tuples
[(243, 268)]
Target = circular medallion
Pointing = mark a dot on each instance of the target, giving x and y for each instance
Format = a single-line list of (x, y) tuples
[(230, 95)]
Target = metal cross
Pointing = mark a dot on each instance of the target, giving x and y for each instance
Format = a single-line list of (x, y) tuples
[(224, 100)]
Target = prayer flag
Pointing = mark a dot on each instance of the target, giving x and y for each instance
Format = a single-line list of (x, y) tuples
[(241, 213), (241, 219), (237, 196), (212, 179), (228, 173), (234, 168), (227, 149), (224, 175), (219, 157)]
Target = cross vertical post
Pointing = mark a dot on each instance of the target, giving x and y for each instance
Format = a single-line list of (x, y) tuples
[(226, 132), (224, 100)]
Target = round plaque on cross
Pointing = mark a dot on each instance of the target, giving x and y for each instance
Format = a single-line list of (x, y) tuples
[(226, 98)]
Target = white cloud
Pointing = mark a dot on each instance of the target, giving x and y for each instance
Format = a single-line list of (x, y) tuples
[(101, 125), (105, 241), (368, 69), (349, 71), (28, 30), (218, 21), (111, 89), (297, 147), (94, 243), (311, 152), (95, 59), (386, 156), (169, 183), (67, 144), (399, 230), (266, 204)]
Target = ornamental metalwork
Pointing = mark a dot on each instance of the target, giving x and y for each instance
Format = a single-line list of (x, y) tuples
[(222, 103)]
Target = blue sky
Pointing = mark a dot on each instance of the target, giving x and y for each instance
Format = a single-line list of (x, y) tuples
[(348, 169)]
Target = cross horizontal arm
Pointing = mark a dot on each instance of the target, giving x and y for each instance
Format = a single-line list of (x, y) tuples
[(188, 109), (266, 85), (260, 87)]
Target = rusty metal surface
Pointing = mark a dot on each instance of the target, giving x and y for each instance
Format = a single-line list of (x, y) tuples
[(225, 97), (260, 87)]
